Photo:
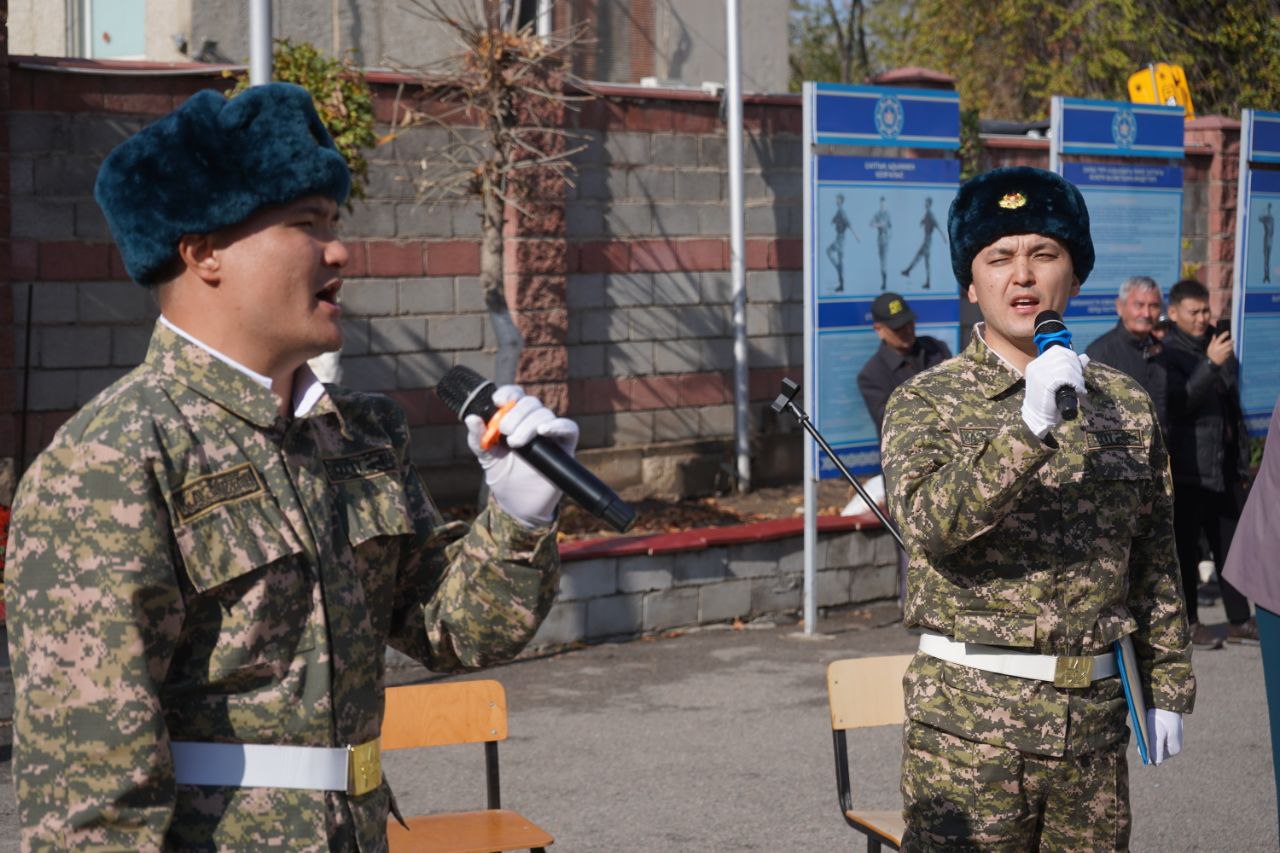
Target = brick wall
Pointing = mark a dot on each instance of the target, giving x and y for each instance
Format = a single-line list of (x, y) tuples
[(619, 283)]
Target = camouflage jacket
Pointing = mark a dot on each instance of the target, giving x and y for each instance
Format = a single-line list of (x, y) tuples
[(1057, 547), (187, 564)]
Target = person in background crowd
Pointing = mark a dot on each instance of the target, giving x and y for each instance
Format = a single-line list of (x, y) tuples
[(1130, 346), (900, 356), (1209, 453)]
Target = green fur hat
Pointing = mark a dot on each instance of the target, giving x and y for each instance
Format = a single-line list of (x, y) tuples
[(210, 164), (1017, 200)]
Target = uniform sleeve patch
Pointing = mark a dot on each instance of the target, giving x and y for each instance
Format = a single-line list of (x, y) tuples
[(213, 490), (976, 436), (1098, 439), (360, 466)]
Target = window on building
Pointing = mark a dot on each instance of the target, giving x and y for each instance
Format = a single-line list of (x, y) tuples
[(112, 29)]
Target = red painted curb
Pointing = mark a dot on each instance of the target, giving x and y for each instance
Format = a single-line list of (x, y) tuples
[(709, 537)]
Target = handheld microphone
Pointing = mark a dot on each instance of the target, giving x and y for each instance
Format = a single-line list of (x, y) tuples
[(466, 392), (1052, 332)]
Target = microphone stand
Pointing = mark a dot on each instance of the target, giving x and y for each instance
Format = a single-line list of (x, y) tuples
[(787, 401)]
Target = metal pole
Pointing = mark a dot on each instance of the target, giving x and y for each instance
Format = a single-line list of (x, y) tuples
[(545, 24), (1242, 229), (737, 245), (1055, 134), (259, 42), (810, 451)]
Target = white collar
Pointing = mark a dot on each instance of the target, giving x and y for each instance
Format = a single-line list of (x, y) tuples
[(977, 330), (307, 388)]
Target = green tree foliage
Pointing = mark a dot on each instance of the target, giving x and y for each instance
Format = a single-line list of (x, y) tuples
[(341, 96), (1230, 52), (1010, 56), (828, 41)]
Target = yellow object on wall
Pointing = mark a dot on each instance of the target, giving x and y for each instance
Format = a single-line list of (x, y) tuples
[(1161, 83)]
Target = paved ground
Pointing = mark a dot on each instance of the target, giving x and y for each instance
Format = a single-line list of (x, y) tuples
[(719, 740)]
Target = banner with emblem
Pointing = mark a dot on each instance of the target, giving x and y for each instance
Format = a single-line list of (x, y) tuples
[(879, 226), (885, 116), (1135, 208), (1117, 128), (1135, 218), (1256, 290)]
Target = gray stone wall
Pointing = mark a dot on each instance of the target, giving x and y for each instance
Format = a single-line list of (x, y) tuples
[(626, 596)]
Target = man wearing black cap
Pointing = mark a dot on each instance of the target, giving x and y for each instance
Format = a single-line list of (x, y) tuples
[(900, 355), (1035, 542), (208, 562)]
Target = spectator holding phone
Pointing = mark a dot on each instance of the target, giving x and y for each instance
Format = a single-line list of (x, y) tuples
[(1208, 451)]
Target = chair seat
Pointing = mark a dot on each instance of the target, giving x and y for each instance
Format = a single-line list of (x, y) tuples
[(888, 825), (467, 832)]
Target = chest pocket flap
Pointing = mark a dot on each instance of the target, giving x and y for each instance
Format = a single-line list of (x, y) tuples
[(372, 495), (1118, 463), (230, 539)]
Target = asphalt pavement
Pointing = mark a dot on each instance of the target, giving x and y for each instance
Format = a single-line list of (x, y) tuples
[(718, 739)]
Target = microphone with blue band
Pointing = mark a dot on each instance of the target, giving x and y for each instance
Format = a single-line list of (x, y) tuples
[(1052, 332)]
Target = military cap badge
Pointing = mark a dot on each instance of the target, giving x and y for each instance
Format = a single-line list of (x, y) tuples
[(1013, 201)]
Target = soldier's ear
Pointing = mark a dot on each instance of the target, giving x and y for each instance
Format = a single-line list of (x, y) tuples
[(1075, 287), (973, 294), (199, 257)]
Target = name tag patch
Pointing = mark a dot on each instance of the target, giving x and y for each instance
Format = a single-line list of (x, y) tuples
[(976, 436), (213, 490), (1098, 439), (360, 466)]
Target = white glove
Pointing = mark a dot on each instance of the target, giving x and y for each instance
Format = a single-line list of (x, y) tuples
[(1165, 730), (518, 488), (1056, 367)]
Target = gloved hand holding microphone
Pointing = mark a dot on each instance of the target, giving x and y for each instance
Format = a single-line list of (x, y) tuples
[(527, 452), (1054, 378), (519, 489)]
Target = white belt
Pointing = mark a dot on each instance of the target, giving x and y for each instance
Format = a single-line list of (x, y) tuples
[(1019, 664), (260, 765)]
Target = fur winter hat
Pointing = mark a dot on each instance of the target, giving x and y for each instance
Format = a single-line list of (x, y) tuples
[(1017, 200), (210, 164)]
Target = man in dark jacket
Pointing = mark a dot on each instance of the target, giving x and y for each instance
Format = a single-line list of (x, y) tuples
[(1130, 347), (1208, 450), (901, 354)]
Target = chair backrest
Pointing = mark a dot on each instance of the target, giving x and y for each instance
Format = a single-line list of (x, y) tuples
[(866, 691), (444, 714)]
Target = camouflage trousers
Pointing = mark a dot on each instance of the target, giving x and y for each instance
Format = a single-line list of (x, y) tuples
[(960, 794)]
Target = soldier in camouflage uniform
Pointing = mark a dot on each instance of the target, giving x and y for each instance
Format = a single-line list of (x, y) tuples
[(197, 565), (1034, 542)]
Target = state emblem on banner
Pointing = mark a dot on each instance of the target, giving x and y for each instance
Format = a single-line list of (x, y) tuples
[(888, 116), (1124, 128)]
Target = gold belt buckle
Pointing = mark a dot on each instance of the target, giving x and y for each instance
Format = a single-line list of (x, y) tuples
[(364, 767), (1073, 671)]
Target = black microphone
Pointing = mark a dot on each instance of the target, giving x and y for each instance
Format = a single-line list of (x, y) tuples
[(466, 392), (1052, 332)]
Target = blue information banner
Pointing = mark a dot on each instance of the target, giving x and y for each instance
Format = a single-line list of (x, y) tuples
[(886, 116), (879, 225), (1258, 329), (1121, 129), (1266, 138), (1135, 218)]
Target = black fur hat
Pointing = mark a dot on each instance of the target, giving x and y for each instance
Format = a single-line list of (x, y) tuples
[(1017, 200)]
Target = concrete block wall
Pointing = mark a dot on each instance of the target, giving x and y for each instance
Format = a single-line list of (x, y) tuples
[(620, 283), (623, 596)]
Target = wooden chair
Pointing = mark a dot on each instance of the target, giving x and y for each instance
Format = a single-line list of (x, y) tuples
[(865, 692), (442, 715)]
